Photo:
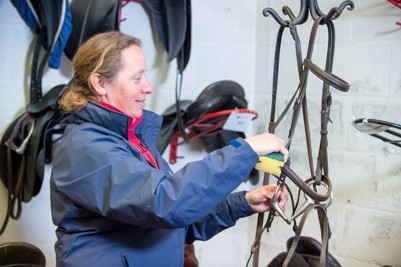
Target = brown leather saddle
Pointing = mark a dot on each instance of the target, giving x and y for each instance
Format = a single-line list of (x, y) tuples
[(307, 254)]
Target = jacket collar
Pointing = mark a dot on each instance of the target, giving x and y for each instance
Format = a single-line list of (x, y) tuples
[(119, 122)]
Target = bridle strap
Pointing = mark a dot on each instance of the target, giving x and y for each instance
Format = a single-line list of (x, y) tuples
[(322, 159), (324, 227), (178, 89), (15, 192), (303, 185), (37, 68), (272, 126)]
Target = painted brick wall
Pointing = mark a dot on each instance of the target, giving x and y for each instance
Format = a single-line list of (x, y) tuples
[(233, 40)]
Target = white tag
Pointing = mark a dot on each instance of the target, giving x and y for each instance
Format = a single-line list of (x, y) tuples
[(238, 122)]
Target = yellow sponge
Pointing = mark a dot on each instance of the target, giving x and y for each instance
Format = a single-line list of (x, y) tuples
[(271, 163)]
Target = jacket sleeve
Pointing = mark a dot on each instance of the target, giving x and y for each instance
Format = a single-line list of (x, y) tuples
[(106, 176), (224, 216)]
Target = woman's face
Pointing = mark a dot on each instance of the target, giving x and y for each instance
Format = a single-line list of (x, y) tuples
[(128, 90)]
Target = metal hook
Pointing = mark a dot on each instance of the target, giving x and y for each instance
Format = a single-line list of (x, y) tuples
[(302, 15), (301, 18), (334, 13), (276, 16)]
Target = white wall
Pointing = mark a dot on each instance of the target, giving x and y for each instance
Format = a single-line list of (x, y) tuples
[(233, 40)]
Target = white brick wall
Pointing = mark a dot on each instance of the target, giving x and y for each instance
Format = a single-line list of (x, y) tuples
[(233, 40)]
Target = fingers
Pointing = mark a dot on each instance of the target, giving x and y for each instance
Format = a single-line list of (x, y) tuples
[(260, 198), (282, 149), (283, 197), (284, 152), (266, 143)]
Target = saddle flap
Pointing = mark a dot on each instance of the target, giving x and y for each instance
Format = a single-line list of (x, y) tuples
[(89, 18), (310, 249), (221, 95)]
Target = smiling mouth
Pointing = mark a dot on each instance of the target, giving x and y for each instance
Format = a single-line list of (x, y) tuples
[(140, 102)]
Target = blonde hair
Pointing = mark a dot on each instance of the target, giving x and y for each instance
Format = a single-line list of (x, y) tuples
[(99, 54)]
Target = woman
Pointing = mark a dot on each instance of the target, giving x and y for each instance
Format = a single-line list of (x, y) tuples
[(115, 200)]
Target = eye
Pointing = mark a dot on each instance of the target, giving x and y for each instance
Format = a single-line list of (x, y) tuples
[(138, 78)]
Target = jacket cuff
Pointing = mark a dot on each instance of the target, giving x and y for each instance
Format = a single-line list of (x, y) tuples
[(243, 209)]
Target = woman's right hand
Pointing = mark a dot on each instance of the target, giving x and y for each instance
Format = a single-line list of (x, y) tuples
[(266, 143), (260, 198)]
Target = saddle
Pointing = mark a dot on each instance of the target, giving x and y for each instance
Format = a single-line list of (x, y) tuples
[(26, 147), (172, 23), (306, 254), (90, 17), (204, 119), (218, 96)]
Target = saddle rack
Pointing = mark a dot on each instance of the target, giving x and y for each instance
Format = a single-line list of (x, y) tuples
[(383, 130)]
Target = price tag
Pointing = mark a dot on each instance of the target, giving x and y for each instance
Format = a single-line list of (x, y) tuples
[(238, 122)]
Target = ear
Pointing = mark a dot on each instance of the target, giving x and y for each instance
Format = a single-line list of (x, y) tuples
[(98, 84)]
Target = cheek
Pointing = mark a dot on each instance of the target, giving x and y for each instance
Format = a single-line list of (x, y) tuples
[(128, 94)]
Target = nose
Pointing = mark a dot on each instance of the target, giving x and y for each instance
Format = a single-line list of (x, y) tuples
[(147, 88)]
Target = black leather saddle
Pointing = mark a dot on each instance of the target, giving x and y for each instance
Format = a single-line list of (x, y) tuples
[(90, 17), (218, 96), (204, 118), (171, 20), (172, 23), (25, 147)]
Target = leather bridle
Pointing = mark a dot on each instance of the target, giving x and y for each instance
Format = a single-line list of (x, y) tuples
[(298, 102)]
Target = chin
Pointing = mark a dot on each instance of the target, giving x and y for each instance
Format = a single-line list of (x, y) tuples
[(137, 114)]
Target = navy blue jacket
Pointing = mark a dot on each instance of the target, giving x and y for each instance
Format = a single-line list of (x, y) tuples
[(113, 208)]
